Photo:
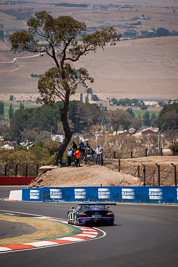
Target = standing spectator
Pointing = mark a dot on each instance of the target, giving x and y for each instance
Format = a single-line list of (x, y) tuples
[(98, 152), (69, 156), (81, 148), (87, 144), (74, 146), (77, 155), (92, 152)]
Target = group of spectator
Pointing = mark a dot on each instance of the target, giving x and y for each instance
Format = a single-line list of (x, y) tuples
[(74, 152), (85, 150)]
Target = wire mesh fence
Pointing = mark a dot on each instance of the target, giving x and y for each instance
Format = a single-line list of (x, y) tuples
[(19, 170), (150, 175)]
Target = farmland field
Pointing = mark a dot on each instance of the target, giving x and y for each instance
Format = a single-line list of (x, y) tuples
[(15, 107), (141, 68)]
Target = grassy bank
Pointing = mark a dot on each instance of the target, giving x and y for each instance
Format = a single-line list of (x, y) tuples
[(44, 229)]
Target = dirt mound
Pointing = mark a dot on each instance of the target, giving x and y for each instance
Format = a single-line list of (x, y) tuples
[(95, 175), (85, 175)]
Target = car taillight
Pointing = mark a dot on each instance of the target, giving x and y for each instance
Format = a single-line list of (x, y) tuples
[(82, 213), (109, 213)]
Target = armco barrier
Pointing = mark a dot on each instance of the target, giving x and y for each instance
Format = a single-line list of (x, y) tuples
[(167, 194), (7, 180)]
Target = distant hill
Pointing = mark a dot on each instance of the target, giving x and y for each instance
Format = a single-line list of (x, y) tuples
[(143, 68)]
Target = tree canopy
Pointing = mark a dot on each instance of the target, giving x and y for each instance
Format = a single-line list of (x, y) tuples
[(65, 40), (168, 117), (119, 119), (31, 123)]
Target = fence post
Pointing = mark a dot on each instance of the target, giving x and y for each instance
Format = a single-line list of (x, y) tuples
[(114, 154), (144, 175), (158, 166), (101, 159), (37, 167), (146, 152), (26, 170), (175, 173), (119, 165), (16, 169), (85, 158), (138, 170), (5, 170), (131, 154)]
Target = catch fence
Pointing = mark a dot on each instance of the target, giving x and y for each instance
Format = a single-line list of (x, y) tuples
[(150, 175), (21, 170)]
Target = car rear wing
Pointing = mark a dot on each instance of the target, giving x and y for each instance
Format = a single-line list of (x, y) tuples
[(97, 203)]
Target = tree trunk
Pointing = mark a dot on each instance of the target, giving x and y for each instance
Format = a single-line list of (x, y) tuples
[(67, 132)]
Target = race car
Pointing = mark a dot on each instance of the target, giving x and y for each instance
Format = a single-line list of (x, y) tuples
[(91, 213)]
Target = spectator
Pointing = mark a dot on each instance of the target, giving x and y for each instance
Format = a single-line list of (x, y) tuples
[(87, 144), (74, 146), (77, 155), (82, 148), (92, 152), (98, 152), (69, 156)]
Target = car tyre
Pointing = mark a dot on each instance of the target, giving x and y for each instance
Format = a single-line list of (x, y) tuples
[(68, 219), (75, 220)]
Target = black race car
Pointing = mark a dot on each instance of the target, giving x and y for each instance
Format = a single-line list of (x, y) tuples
[(90, 213)]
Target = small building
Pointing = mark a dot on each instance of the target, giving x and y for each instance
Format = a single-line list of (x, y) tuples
[(131, 131), (149, 131)]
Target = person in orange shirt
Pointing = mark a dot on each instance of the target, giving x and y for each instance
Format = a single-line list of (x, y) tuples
[(77, 155)]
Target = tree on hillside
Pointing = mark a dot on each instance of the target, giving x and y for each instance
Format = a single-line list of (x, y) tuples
[(89, 91), (11, 111), (146, 119), (22, 105), (64, 40), (1, 108), (153, 118), (38, 100), (119, 119), (130, 111), (81, 97), (83, 116), (47, 119), (137, 122), (168, 117)]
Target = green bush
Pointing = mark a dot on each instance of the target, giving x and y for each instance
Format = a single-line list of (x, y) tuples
[(174, 147)]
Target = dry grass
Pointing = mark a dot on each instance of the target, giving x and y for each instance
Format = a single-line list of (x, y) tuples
[(133, 68), (45, 229)]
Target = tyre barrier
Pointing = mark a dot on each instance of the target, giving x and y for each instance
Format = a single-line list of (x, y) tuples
[(146, 194)]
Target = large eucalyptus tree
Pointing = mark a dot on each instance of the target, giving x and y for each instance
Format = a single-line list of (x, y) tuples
[(65, 40)]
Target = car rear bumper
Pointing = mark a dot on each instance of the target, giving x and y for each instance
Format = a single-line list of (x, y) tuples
[(95, 220)]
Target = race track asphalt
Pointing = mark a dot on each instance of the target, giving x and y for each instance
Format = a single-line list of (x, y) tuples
[(144, 235)]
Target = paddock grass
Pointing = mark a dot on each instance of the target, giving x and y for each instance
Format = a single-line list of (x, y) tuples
[(15, 107), (142, 112)]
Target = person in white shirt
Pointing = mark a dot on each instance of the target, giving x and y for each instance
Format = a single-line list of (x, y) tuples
[(98, 153)]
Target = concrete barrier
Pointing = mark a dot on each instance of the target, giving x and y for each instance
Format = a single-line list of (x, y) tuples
[(15, 195)]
